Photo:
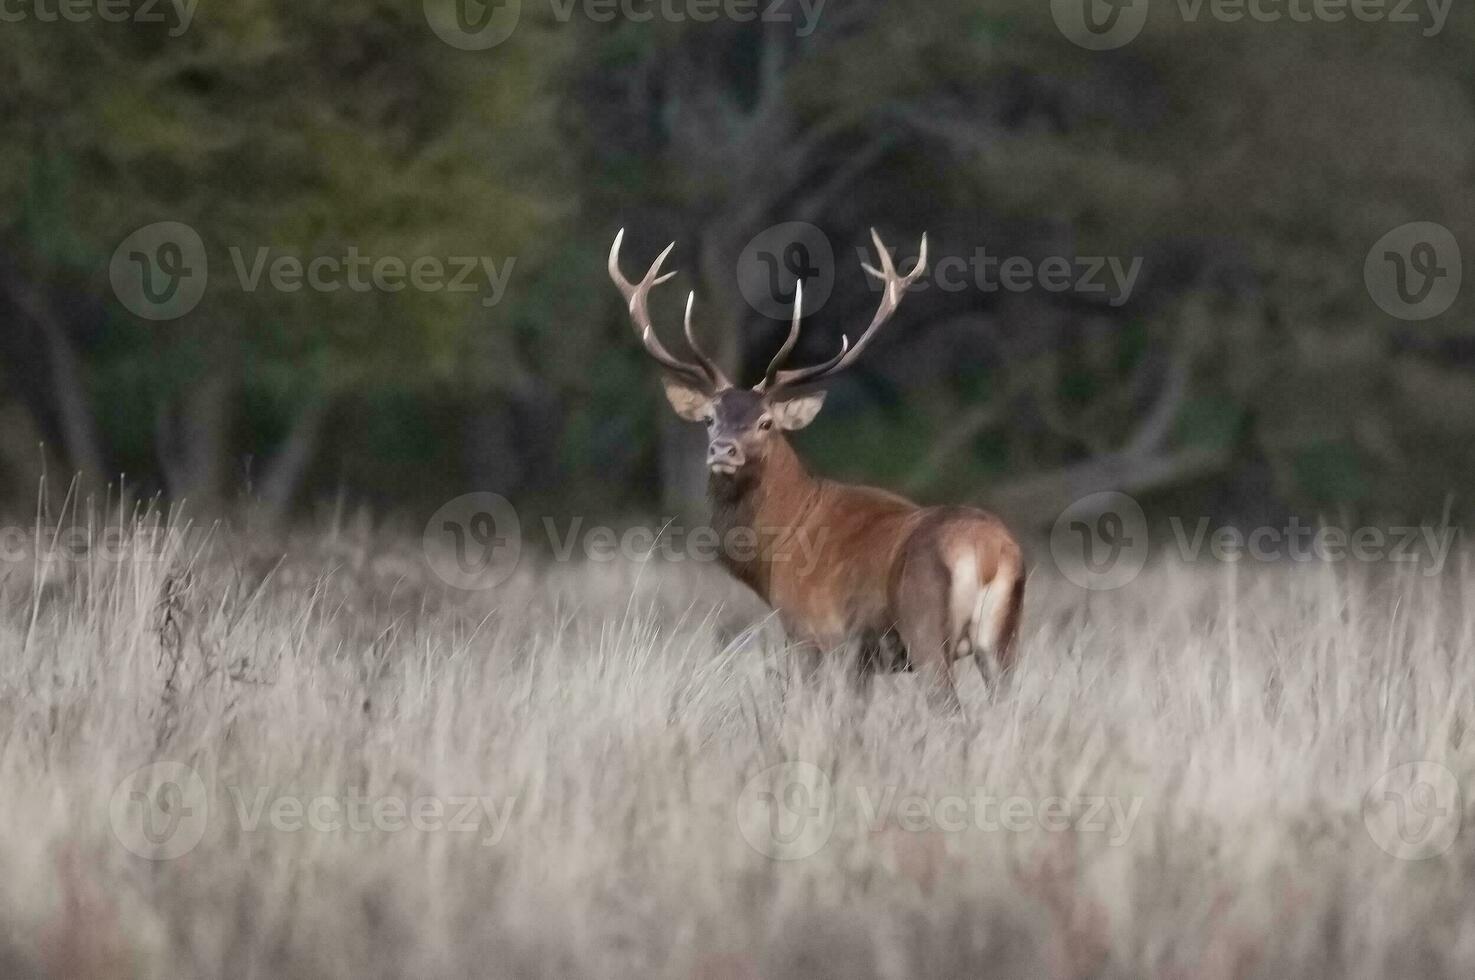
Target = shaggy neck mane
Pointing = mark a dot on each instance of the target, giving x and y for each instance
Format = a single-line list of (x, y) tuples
[(769, 497)]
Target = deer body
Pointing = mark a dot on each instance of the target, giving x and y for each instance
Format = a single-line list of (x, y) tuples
[(913, 587)]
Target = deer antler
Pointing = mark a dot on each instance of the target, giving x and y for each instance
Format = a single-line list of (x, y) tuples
[(705, 372), (789, 341), (895, 288)]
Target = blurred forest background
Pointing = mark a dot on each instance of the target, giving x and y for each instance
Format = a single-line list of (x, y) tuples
[(1250, 167)]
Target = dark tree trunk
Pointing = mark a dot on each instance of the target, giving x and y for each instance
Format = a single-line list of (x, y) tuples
[(285, 471), (191, 437), (47, 373)]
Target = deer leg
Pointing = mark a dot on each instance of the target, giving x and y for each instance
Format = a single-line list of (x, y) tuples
[(942, 694), (865, 660), (805, 659), (1009, 629), (997, 626), (924, 629)]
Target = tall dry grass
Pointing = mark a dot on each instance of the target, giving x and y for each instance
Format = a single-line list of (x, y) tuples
[(1245, 712)]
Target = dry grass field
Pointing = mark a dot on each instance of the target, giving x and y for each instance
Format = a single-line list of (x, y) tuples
[(605, 770)]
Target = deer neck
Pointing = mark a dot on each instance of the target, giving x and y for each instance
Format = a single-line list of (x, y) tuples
[(754, 510)]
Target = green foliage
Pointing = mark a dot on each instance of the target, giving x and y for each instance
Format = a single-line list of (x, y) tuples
[(1249, 169)]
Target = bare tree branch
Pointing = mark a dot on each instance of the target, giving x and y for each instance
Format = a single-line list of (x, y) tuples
[(1141, 465), (1041, 498)]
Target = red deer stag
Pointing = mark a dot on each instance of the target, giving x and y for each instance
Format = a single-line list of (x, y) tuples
[(913, 587)]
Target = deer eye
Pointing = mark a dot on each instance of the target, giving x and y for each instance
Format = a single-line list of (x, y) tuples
[(765, 424)]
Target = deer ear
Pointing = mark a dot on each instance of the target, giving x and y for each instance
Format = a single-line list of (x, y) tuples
[(689, 403), (796, 413)]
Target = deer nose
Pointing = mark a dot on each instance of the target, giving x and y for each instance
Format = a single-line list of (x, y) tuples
[(725, 452)]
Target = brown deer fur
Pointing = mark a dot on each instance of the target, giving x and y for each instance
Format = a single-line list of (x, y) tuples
[(847, 565), (844, 566)]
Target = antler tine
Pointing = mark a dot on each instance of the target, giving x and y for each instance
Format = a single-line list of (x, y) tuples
[(636, 299), (789, 341), (627, 289), (708, 365), (895, 288), (888, 269)]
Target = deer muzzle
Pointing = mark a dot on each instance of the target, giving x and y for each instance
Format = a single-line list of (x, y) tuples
[(725, 456)]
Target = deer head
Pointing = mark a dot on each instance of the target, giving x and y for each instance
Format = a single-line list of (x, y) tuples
[(741, 421)]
